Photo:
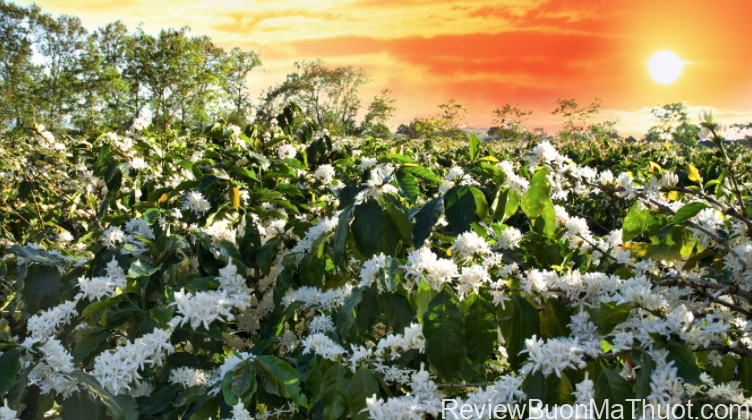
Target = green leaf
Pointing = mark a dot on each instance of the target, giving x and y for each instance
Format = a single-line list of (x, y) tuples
[(397, 310), (159, 400), (642, 385), (459, 205), (340, 235), (444, 331), (537, 194), (474, 145), (334, 394), (685, 363), (10, 366), (312, 270), (548, 217), (112, 404), (423, 297), (362, 385), (556, 318), (367, 228), (266, 254), (613, 387), (88, 343), (690, 210), (346, 320), (408, 186), (421, 172), (151, 215), (267, 377), (745, 375), (511, 206), (636, 222), (101, 305), (608, 315), (724, 372), (425, 220), (559, 390), (524, 324), (400, 222), (207, 182), (141, 268), (79, 406), (244, 379), (481, 205), (287, 378), (480, 330), (46, 286), (536, 386)]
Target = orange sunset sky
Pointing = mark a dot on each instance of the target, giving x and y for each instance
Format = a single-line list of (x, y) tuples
[(483, 53)]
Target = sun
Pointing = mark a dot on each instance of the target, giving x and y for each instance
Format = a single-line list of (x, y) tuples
[(665, 67)]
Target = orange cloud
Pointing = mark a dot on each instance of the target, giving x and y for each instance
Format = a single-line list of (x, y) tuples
[(483, 53)]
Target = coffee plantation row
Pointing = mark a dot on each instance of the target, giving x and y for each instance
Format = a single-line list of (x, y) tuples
[(275, 271)]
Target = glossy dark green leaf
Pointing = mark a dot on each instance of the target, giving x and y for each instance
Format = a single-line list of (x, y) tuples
[(367, 227), (88, 343), (685, 362), (79, 406), (408, 186), (334, 392), (480, 330), (616, 389), (244, 379), (425, 220), (444, 330), (113, 406), (362, 385), (46, 286), (339, 240), (397, 310), (400, 222), (421, 172), (524, 324), (459, 204), (142, 268), (159, 400), (287, 378), (609, 314), (10, 366)]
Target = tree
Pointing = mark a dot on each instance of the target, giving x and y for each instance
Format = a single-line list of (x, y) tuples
[(509, 122), (578, 119), (673, 124), (60, 43), (380, 110), (119, 104), (240, 64), (168, 66), (329, 94), (18, 74)]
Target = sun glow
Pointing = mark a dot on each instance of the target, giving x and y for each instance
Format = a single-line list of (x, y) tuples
[(665, 67)]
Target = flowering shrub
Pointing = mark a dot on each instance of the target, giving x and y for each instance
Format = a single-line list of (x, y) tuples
[(278, 272)]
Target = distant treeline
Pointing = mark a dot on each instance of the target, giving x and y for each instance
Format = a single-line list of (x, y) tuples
[(54, 72)]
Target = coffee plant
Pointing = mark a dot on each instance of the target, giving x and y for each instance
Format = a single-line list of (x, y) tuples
[(277, 271)]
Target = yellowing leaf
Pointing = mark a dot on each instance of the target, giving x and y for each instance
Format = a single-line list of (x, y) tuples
[(489, 159), (164, 197), (654, 167), (693, 174), (673, 195), (235, 197)]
